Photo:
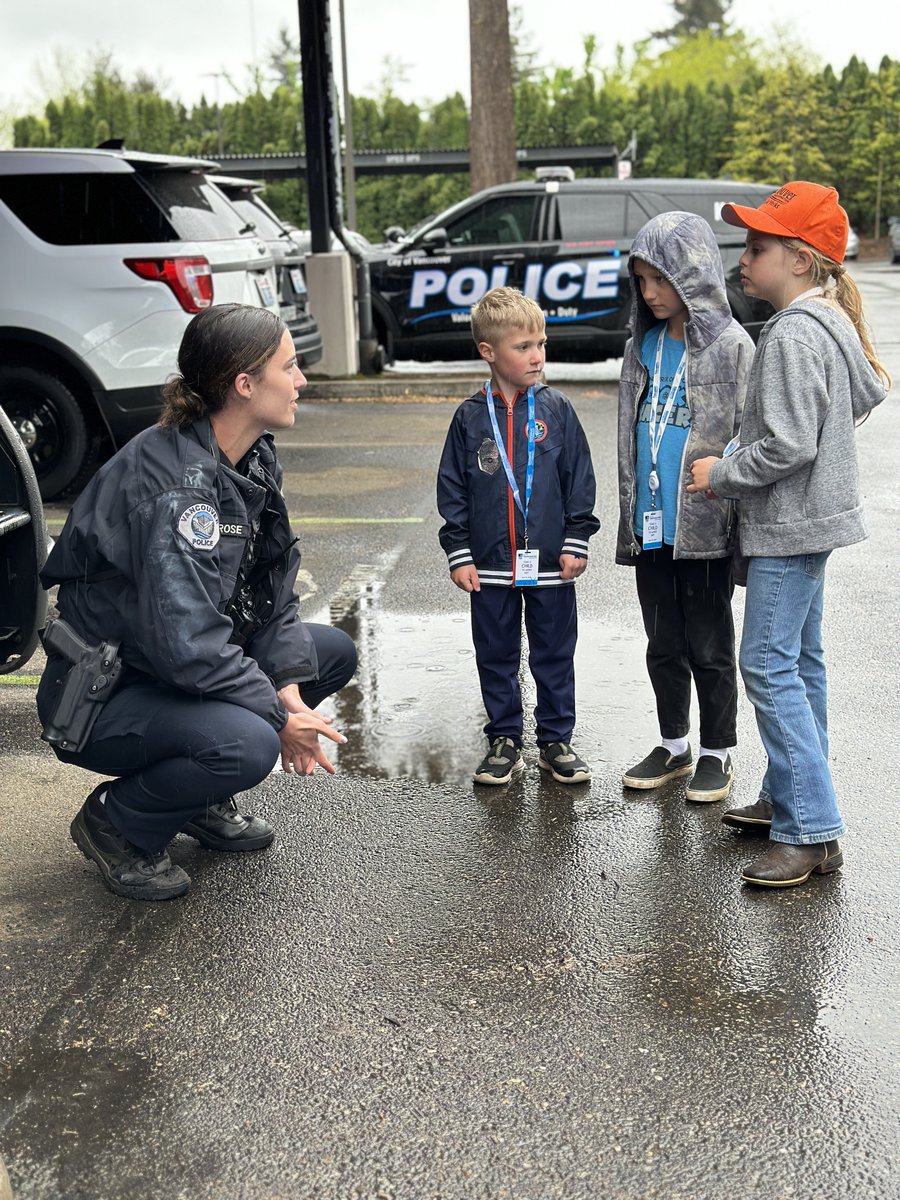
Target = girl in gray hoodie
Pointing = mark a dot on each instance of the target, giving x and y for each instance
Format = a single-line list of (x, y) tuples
[(681, 390), (796, 479)]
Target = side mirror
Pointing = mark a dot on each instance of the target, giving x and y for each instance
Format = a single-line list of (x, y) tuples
[(394, 233), (435, 239)]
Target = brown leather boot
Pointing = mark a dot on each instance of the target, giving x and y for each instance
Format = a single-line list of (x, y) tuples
[(784, 865), (751, 818)]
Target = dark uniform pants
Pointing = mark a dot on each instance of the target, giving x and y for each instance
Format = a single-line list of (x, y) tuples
[(551, 624), (174, 754), (686, 605)]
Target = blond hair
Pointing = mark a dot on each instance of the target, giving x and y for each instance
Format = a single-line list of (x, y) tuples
[(502, 309), (846, 296)]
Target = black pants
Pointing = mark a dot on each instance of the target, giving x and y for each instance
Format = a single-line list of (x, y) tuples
[(552, 628), (686, 605), (174, 754)]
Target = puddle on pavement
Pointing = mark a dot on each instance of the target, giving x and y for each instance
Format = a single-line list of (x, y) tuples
[(414, 706)]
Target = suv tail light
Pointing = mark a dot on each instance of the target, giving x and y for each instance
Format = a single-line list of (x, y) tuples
[(189, 278)]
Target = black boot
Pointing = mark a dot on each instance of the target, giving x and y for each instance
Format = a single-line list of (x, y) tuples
[(224, 827), (126, 869)]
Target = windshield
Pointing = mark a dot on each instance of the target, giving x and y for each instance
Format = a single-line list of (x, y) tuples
[(412, 234)]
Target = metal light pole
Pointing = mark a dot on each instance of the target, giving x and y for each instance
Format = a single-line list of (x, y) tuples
[(349, 180), (217, 75)]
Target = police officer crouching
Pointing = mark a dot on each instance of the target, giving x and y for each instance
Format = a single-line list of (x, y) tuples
[(180, 665)]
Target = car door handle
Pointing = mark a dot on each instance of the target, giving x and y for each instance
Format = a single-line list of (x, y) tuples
[(508, 258)]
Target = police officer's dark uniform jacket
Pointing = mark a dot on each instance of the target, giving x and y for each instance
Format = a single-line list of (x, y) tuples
[(150, 557), (483, 525)]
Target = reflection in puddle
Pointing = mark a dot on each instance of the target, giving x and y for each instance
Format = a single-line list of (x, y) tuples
[(414, 706)]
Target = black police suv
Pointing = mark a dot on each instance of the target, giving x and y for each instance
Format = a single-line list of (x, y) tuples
[(561, 240)]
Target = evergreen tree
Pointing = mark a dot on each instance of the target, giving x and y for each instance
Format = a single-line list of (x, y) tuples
[(692, 16), (781, 129)]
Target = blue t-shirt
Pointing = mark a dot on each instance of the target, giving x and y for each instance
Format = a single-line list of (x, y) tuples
[(668, 462)]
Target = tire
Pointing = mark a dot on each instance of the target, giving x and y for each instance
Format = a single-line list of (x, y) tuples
[(385, 341), (52, 424)]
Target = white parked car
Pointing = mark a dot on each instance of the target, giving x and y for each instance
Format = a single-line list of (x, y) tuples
[(894, 239), (245, 195), (106, 255)]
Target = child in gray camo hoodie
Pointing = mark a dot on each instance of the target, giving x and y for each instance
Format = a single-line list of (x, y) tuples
[(681, 392), (796, 479)]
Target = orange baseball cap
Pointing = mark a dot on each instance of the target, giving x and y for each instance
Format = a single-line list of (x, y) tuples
[(801, 210)]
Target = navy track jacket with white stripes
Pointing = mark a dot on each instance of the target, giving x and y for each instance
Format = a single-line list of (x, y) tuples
[(482, 523)]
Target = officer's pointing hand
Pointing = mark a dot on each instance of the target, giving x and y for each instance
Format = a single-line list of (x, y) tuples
[(300, 746)]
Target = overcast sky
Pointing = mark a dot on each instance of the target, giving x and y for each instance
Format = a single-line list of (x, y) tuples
[(185, 42)]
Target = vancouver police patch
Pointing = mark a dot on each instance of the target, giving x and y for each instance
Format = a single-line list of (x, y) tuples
[(199, 526)]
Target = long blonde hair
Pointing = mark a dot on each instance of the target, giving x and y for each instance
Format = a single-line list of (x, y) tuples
[(846, 296)]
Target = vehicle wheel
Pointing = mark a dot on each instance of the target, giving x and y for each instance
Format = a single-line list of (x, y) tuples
[(385, 343), (371, 356), (51, 423)]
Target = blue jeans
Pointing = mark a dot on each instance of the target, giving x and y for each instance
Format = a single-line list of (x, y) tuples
[(783, 666)]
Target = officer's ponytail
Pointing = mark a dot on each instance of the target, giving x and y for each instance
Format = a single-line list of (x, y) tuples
[(181, 404), (219, 344)]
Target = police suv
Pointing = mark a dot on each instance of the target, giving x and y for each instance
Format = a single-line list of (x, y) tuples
[(562, 241)]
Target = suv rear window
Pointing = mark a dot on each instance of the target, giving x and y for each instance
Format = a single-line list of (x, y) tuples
[(85, 210), (197, 210), (258, 217)]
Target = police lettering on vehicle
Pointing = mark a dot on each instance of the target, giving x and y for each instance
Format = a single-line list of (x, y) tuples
[(591, 280), (199, 526)]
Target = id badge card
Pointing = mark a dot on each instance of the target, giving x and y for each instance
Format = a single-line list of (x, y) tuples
[(653, 529), (526, 568)]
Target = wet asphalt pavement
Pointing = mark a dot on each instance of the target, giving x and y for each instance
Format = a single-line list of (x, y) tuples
[(426, 990)]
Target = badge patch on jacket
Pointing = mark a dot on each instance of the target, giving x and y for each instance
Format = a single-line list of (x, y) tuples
[(199, 526), (488, 457), (540, 429)]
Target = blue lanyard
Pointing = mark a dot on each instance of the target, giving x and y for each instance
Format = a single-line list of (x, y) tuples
[(657, 426), (529, 470)]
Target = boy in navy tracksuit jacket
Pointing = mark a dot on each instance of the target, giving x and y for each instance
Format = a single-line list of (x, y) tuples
[(516, 490)]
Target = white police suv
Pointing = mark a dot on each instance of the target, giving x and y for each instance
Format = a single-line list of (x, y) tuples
[(293, 298), (561, 240), (106, 255)]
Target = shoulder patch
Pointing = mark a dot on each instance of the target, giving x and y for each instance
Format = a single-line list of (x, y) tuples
[(199, 526)]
